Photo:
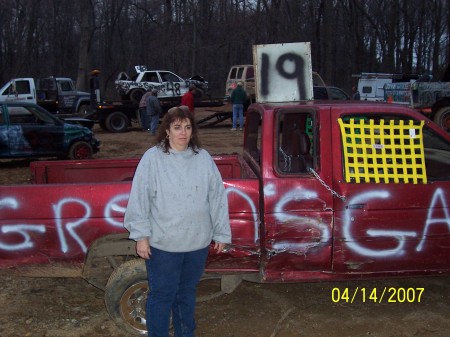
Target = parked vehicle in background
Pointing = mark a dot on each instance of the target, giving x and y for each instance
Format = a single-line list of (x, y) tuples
[(370, 85), (28, 130), (57, 95), (170, 86), (117, 116), (245, 73), (332, 93), (432, 98)]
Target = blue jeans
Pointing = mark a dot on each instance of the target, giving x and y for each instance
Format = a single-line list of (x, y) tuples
[(154, 122), (238, 109), (144, 118), (173, 279)]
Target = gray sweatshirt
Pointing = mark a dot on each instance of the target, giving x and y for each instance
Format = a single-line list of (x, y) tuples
[(178, 201)]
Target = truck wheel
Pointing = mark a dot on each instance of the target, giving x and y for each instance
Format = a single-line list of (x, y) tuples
[(126, 296), (84, 109), (442, 118), (80, 150), (136, 95), (127, 290), (117, 122)]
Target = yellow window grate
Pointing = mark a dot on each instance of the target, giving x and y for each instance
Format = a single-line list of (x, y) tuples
[(375, 151)]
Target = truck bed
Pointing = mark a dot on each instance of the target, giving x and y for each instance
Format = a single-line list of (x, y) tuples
[(117, 170), (71, 204)]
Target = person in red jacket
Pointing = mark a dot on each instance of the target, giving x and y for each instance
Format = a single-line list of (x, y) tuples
[(188, 98)]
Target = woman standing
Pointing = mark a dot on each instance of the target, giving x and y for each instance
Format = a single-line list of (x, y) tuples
[(177, 206)]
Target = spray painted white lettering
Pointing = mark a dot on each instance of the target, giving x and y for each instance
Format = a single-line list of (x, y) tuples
[(65, 230), (9, 202), (230, 190), (115, 205), (21, 229), (355, 246), (115, 208), (298, 194), (438, 196), (71, 225), (399, 235)]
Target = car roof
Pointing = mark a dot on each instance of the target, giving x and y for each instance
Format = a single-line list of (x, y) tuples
[(151, 71)]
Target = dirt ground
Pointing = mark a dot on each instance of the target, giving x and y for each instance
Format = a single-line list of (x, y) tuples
[(57, 307)]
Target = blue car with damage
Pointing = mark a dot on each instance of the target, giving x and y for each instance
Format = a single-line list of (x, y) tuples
[(28, 130)]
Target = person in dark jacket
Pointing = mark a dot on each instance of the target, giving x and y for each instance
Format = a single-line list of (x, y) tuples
[(154, 111), (356, 96), (145, 122), (238, 98)]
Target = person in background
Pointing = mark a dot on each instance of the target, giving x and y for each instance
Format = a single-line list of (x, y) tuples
[(355, 95), (238, 98), (177, 206), (188, 98), (143, 110), (94, 86), (153, 111)]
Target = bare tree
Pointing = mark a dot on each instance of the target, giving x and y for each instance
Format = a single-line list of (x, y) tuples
[(205, 37), (86, 30)]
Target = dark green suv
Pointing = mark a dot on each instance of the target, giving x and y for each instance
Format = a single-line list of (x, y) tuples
[(28, 130)]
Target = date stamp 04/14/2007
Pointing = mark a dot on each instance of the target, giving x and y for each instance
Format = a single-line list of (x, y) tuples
[(377, 295)]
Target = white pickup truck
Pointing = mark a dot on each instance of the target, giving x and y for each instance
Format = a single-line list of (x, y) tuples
[(169, 85), (57, 95)]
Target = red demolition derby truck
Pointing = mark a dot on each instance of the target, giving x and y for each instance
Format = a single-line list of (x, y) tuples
[(321, 191)]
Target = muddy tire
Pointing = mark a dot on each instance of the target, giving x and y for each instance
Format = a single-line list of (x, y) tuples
[(126, 296), (80, 150), (127, 290), (84, 109), (117, 122), (136, 95), (442, 118)]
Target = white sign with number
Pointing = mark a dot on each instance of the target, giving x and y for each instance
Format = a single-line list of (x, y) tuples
[(283, 72)]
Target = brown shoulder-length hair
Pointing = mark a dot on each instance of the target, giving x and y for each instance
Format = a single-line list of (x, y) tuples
[(177, 114)]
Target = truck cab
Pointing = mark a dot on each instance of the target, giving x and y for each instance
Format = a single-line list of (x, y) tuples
[(339, 182), (56, 94), (59, 95), (19, 89)]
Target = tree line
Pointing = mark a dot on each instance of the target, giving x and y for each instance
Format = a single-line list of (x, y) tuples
[(41, 38)]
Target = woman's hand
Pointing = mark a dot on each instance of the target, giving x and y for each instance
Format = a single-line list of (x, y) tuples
[(143, 249), (219, 247)]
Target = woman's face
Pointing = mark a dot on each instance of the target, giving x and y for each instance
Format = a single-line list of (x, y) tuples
[(180, 133)]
